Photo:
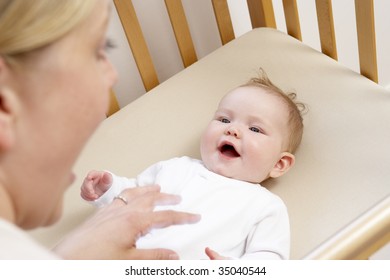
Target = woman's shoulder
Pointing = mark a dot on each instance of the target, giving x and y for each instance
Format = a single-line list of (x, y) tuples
[(16, 244)]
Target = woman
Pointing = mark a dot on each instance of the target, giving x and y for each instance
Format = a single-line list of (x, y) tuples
[(54, 84)]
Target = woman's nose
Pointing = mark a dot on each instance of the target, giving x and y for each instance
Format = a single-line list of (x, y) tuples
[(232, 131)]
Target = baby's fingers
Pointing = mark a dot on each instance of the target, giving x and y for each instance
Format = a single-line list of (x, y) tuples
[(87, 190)]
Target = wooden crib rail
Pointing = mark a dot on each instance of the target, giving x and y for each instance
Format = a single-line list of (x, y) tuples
[(182, 31), (224, 21), (137, 43), (326, 28), (361, 238), (262, 15), (292, 18), (366, 38)]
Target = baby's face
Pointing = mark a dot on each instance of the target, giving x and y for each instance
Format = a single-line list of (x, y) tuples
[(247, 136)]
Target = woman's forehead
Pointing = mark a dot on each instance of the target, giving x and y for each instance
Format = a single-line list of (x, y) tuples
[(97, 21)]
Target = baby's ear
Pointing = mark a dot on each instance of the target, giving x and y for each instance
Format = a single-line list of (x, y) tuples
[(285, 162)]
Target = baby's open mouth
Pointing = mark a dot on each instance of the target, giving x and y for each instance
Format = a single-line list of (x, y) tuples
[(229, 151)]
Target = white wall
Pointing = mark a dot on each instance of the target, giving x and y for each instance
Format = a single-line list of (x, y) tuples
[(160, 38)]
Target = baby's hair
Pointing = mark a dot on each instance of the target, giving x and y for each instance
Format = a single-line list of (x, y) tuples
[(296, 108)]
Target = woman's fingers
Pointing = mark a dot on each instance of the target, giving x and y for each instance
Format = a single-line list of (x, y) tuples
[(213, 255), (161, 219), (153, 254), (144, 222), (132, 194), (146, 198)]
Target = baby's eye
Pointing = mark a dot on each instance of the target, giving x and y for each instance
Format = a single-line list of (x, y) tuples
[(255, 129), (224, 120)]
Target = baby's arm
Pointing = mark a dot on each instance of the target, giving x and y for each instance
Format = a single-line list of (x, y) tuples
[(270, 237), (101, 187), (95, 184)]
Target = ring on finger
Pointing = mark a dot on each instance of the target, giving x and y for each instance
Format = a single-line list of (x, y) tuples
[(120, 197)]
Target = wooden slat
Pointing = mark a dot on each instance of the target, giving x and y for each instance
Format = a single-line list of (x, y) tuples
[(113, 106), (366, 38), (326, 27), (137, 43), (292, 18), (261, 13), (224, 21), (182, 31)]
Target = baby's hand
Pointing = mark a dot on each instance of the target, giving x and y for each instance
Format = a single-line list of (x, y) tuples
[(214, 255), (95, 185)]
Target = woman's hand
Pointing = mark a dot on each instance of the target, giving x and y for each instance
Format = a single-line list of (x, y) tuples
[(214, 255), (113, 231)]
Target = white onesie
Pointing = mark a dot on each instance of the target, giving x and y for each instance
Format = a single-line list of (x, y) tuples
[(239, 219)]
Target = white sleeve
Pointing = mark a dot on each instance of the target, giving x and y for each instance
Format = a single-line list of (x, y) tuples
[(119, 184), (270, 237)]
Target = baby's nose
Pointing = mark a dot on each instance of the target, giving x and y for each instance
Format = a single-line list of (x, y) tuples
[(232, 131)]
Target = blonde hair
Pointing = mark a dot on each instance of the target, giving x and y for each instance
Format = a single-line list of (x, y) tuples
[(296, 108), (28, 25)]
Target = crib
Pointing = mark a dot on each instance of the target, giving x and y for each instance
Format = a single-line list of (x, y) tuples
[(337, 194)]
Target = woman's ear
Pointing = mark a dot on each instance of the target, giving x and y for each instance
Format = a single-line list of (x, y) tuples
[(285, 162), (8, 109)]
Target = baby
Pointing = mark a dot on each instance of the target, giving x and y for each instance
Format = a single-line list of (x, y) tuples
[(252, 137)]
